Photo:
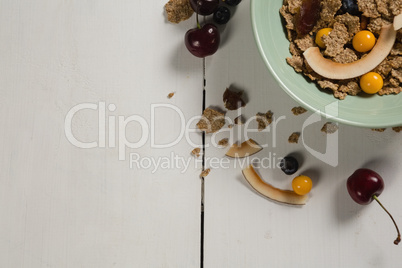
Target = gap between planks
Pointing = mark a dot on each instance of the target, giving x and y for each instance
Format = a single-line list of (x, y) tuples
[(204, 83)]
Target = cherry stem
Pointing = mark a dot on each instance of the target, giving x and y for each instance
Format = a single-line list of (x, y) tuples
[(196, 16), (398, 239), (198, 23)]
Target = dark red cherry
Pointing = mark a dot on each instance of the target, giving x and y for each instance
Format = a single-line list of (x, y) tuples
[(364, 186), (204, 41)]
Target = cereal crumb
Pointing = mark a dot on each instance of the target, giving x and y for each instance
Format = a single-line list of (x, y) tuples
[(328, 11), (296, 62), (352, 88), (352, 23), (397, 49), (329, 128), (224, 142), (233, 100), (336, 39), (230, 126), (294, 6), (196, 152), (264, 120), (375, 25), (170, 95), (288, 18), (205, 173), (294, 138), (328, 84), (178, 10), (390, 90), (397, 74), (369, 8), (304, 42), (378, 129), (346, 56), (211, 121), (397, 129), (298, 110), (239, 120)]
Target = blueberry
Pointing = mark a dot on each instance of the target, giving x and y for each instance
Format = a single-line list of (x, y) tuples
[(232, 2), (289, 165), (350, 6), (221, 15)]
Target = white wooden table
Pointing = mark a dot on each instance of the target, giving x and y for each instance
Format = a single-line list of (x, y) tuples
[(96, 74)]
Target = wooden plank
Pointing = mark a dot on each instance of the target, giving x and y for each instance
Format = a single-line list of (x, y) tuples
[(242, 229), (64, 206)]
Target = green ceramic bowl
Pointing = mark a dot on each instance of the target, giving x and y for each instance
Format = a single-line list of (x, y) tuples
[(364, 111)]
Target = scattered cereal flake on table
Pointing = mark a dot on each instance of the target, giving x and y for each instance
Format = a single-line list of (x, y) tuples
[(205, 173), (170, 95), (397, 129), (196, 152), (294, 138), (233, 100), (211, 121), (224, 142), (178, 10), (329, 128), (378, 129), (264, 120), (230, 126), (239, 120), (298, 110)]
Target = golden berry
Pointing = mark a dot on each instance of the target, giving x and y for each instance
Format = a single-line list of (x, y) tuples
[(320, 34), (302, 185), (371, 82), (363, 41)]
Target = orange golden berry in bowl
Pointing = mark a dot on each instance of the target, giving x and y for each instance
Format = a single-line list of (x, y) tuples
[(320, 34), (371, 82), (363, 41)]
